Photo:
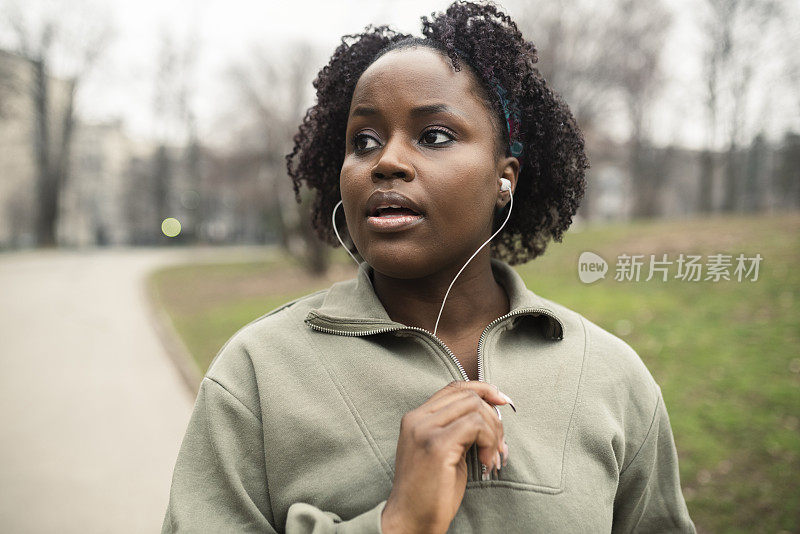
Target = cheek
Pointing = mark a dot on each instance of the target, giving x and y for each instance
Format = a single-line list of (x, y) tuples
[(351, 183), (353, 180), (465, 198), (347, 175)]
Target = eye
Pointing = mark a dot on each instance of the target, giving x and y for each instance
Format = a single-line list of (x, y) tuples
[(436, 137), (361, 142)]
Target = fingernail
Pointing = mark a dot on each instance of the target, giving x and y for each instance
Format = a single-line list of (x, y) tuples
[(505, 453), (499, 416), (509, 401), (497, 461), (484, 473)]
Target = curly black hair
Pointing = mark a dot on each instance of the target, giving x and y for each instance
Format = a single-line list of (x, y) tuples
[(551, 183)]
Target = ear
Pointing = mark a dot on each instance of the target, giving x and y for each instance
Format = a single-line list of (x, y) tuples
[(509, 169)]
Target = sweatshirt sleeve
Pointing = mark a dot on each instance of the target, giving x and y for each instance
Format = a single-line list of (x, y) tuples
[(219, 483), (649, 497)]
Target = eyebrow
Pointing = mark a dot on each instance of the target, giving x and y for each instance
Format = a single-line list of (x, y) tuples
[(429, 109)]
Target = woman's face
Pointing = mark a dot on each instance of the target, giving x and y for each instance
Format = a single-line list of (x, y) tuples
[(420, 138)]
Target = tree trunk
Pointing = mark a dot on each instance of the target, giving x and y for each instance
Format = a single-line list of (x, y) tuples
[(706, 181), (277, 205), (46, 195), (754, 182), (731, 189), (196, 210), (62, 164), (645, 182), (162, 178), (316, 253)]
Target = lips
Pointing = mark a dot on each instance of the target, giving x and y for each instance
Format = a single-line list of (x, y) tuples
[(390, 211), (391, 203)]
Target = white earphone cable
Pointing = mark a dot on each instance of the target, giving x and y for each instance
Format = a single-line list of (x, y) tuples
[(333, 220), (510, 207), (444, 300)]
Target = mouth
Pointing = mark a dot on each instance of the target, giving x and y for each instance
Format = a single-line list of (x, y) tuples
[(392, 219), (391, 203), (389, 211), (393, 211)]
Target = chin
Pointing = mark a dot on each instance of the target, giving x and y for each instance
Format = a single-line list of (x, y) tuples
[(397, 261)]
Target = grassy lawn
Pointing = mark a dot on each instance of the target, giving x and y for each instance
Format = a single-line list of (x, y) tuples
[(726, 353)]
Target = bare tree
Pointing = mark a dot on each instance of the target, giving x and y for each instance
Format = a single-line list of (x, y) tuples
[(603, 56), (637, 41), (46, 38), (178, 151), (572, 39), (735, 30), (166, 108), (276, 94)]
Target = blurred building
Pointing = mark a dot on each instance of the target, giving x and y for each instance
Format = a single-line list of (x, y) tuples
[(119, 191), (766, 177), (92, 204), (18, 175)]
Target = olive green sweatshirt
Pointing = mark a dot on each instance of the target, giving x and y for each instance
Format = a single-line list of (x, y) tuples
[(296, 423)]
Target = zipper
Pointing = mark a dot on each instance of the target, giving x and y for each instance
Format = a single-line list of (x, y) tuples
[(396, 329), (481, 375), (521, 311), (473, 452)]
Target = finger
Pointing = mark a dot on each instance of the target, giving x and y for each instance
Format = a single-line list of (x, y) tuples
[(463, 403), (446, 409), (473, 428), (489, 392), (456, 386), (458, 395)]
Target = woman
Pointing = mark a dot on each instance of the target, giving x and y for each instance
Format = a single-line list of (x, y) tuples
[(382, 403)]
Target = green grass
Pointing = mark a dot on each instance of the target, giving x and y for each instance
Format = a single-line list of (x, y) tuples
[(207, 303), (726, 354)]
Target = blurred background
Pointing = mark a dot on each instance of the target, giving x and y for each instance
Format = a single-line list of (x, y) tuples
[(135, 136), (117, 116)]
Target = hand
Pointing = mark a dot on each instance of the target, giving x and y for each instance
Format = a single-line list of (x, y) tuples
[(430, 464)]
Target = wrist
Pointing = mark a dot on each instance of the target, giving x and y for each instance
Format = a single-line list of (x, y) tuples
[(389, 520), (393, 521)]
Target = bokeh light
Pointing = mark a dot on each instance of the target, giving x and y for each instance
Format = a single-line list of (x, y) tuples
[(171, 227)]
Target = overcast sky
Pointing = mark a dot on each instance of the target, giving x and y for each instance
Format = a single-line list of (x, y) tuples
[(226, 31)]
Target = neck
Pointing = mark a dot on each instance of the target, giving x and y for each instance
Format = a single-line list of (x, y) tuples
[(475, 299)]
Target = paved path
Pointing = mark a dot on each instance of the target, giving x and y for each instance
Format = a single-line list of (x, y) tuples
[(92, 410)]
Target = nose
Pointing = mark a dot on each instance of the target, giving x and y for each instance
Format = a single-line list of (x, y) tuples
[(393, 163)]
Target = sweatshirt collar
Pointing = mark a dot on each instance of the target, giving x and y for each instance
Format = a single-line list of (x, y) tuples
[(353, 308)]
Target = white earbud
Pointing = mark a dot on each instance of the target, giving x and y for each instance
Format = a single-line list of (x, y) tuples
[(505, 184)]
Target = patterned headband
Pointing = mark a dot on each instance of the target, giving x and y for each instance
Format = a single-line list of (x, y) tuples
[(511, 111)]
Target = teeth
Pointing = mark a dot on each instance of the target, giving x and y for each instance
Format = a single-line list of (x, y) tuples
[(378, 211)]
